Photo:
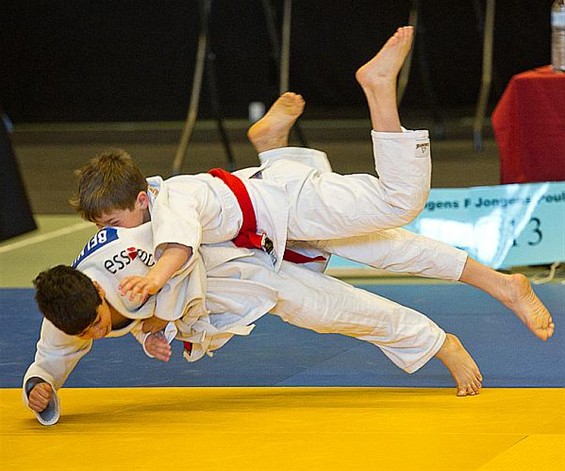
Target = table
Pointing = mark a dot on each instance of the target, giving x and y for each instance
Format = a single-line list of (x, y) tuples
[(529, 127)]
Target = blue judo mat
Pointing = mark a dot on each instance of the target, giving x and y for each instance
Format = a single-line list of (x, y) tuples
[(278, 354)]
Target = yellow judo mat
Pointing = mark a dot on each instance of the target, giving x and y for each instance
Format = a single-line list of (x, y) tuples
[(288, 429)]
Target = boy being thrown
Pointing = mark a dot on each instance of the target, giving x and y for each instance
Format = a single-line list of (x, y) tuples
[(350, 216), (227, 290)]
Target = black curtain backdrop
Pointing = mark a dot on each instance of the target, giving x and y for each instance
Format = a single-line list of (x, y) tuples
[(133, 60)]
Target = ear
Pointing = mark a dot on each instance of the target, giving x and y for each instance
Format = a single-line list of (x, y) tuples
[(99, 288), (142, 200)]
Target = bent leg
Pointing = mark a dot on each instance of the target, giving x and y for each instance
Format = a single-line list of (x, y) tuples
[(325, 205)]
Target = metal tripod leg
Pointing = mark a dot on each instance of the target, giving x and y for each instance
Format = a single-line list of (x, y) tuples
[(431, 98), (405, 71), (282, 51), (215, 104), (486, 78), (202, 58), (419, 43), (205, 7)]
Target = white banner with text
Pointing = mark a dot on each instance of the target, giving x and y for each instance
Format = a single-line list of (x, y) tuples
[(500, 226)]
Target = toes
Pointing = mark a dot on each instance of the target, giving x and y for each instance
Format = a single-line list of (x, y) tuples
[(468, 391), (461, 391), (471, 389)]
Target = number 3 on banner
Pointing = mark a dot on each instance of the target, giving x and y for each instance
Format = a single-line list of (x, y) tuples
[(532, 231)]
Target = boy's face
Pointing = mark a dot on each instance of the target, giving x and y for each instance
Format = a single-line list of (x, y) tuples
[(101, 326), (120, 218), (126, 217)]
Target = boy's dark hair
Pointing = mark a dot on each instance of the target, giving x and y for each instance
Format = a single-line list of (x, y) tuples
[(109, 181), (67, 298)]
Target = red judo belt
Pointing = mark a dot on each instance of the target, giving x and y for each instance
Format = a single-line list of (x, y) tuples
[(248, 236)]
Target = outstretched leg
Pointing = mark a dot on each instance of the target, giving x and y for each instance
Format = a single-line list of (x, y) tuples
[(273, 129), (401, 251), (515, 292), (461, 365), (378, 80)]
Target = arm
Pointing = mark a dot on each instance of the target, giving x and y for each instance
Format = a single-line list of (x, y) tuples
[(179, 293), (177, 234), (173, 258), (57, 355)]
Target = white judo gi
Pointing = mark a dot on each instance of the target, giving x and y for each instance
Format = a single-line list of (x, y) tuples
[(299, 202), (227, 290), (295, 196)]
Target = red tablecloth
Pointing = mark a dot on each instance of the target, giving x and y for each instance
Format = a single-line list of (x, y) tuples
[(529, 127)]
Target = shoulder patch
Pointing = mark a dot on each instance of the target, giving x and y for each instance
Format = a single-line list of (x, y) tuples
[(100, 239)]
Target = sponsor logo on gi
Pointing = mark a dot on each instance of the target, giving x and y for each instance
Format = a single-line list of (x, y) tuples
[(122, 259)]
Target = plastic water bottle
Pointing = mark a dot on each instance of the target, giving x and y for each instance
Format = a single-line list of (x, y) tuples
[(558, 36), (256, 111)]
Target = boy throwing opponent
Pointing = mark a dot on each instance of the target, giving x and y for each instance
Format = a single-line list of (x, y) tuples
[(284, 199)]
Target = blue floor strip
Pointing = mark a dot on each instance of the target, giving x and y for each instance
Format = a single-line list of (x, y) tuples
[(278, 354)]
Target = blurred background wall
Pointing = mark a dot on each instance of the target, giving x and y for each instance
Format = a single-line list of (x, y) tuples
[(77, 61)]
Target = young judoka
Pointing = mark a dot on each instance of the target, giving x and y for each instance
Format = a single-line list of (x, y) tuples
[(285, 199), (228, 289)]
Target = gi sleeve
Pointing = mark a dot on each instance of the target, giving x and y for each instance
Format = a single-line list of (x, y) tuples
[(184, 293), (56, 356), (170, 226)]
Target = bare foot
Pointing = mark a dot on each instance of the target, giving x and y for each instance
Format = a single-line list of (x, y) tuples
[(386, 65), (272, 130), (520, 298), (515, 292), (461, 365), (378, 80)]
